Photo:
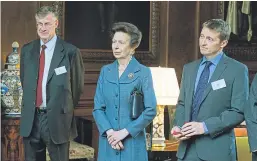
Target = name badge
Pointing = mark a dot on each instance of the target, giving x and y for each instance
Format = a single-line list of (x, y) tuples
[(218, 84), (60, 70)]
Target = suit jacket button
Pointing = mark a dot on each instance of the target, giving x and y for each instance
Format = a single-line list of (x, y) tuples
[(117, 153), (116, 118)]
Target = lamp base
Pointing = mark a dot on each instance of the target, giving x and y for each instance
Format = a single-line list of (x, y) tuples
[(158, 142)]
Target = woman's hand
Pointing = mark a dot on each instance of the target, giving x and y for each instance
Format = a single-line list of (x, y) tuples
[(117, 136), (118, 146), (108, 132)]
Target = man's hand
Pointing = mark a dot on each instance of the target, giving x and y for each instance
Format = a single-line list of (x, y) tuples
[(192, 128), (117, 136), (176, 132)]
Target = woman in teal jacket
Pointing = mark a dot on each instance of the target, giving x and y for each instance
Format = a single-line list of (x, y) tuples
[(122, 138)]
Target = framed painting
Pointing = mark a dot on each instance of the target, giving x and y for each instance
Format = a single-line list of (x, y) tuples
[(87, 25)]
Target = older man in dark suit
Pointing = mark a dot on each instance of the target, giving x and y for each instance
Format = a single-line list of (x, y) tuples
[(52, 77), (251, 118)]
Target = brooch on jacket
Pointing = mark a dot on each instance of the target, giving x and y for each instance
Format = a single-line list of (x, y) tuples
[(130, 75)]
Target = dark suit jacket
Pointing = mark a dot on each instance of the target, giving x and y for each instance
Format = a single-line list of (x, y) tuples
[(251, 116), (62, 91), (221, 109)]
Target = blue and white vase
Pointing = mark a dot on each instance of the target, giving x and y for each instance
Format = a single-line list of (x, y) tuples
[(11, 89)]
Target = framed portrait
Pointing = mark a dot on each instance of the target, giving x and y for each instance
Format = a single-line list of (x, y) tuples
[(87, 25)]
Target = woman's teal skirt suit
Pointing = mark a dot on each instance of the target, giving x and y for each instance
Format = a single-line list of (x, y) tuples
[(112, 110)]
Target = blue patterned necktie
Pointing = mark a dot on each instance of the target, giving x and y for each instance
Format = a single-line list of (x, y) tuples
[(202, 84)]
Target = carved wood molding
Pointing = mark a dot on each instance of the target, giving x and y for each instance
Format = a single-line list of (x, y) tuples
[(242, 53), (145, 57), (59, 8), (12, 143), (220, 9), (86, 103)]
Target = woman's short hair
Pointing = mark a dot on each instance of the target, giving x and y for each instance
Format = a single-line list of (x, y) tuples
[(130, 29), (44, 11), (219, 26)]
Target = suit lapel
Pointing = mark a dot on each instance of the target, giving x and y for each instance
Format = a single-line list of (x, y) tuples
[(35, 54), (193, 73), (129, 75), (216, 75), (58, 55), (112, 73)]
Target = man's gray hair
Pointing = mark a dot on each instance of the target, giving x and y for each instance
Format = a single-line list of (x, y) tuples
[(44, 11), (219, 26)]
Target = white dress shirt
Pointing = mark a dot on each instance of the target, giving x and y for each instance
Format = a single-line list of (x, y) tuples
[(49, 51)]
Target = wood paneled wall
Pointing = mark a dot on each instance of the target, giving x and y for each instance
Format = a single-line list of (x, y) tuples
[(17, 24), (179, 28), (182, 44)]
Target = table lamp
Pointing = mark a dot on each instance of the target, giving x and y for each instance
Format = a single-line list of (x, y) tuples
[(167, 91)]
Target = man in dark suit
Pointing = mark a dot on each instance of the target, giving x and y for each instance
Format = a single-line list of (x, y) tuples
[(211, 101), (52, 77), (251, 118)]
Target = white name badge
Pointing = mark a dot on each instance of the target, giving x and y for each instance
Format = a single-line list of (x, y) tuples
[(60, 70), (218, 84)]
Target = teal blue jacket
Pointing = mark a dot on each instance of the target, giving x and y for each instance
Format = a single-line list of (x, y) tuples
[(112, 110)]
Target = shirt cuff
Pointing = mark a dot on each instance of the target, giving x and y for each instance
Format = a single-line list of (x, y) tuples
[(205, 128)]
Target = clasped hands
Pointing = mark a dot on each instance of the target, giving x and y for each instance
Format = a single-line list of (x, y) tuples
[(115, 138), (188, 130)]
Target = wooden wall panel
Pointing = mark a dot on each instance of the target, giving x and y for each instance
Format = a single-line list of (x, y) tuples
[(182, 44), (164, 34), (209, 10), (17, 24)]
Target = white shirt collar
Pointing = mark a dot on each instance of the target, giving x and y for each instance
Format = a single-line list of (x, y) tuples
[(50, 44)]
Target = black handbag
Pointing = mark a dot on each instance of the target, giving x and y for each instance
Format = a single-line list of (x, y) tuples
[(137, 104)]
